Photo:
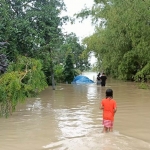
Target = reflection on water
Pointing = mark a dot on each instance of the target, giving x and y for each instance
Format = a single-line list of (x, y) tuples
[(92, 92), (69, 118)]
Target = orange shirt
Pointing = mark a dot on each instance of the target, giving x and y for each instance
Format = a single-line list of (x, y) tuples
[(108, 108)]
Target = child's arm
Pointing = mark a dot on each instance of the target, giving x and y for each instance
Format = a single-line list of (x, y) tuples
[(115, 107), (115, 110), (101, 106)]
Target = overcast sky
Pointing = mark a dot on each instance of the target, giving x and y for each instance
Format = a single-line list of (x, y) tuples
[(80, 29)]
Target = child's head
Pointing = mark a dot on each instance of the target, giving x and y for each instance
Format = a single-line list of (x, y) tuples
[(109, 93)]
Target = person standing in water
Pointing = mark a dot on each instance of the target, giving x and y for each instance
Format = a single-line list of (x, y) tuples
[(99, 78), (103, 79), (109, 107)]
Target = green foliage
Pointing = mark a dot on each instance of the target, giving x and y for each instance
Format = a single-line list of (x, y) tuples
[(47, 24), (33, 29), (69, 71), (58, 71), (144, 73), (46, 60), (121, 37), (129, 65), (72, 45), (3, 63), (143, 85), (10, 92), (23, 79), (16, 28), (29, 27)]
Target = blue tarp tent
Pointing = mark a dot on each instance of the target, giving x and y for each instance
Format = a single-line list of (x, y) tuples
[(81, 79)]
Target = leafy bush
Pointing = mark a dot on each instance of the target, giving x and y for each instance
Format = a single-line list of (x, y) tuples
[(23, 79), (58, 71)]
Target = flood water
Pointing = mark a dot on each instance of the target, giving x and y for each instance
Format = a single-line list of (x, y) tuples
[(69, 118)]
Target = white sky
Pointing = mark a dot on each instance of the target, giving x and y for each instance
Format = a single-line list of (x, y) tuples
[(80, 29)]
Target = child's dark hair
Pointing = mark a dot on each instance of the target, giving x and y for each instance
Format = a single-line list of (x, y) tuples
[(109, 93)]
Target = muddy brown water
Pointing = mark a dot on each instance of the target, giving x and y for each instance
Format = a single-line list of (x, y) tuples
[(69, 118)]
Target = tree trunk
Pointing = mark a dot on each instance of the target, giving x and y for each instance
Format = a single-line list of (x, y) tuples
[(52, 71), (53, 80)]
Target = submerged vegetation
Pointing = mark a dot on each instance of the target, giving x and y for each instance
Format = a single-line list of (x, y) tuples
[(23, 79)]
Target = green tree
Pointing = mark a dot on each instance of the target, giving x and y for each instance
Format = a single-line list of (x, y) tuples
[(31, 28), (16, 29), (23, 79), (73, 45), (69, 71), (47, 22), (59, 75), (121, 35)]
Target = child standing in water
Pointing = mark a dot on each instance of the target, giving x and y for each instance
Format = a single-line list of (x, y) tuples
[(109, 107)]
